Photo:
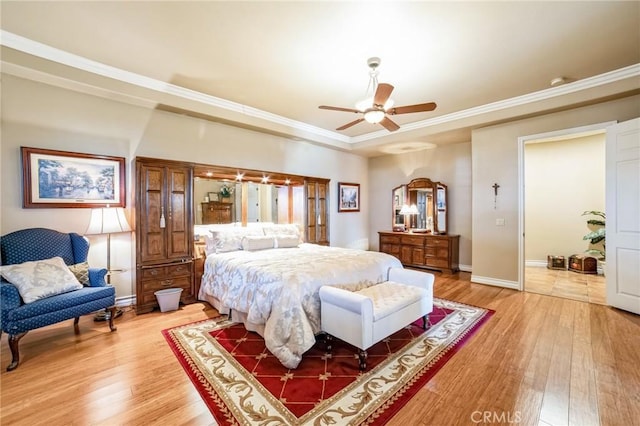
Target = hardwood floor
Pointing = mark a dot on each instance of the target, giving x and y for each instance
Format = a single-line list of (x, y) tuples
[(540, 360), (568, 284)]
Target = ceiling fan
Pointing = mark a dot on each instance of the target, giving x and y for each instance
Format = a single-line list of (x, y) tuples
[(376, 108)]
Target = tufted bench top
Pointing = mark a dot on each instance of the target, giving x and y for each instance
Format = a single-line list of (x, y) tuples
[(389, 297)]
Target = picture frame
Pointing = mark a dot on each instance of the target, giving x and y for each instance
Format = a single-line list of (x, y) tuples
[(61, 179), (214, 196), (348, 197)]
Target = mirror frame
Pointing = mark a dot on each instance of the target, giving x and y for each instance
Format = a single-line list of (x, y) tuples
[(437, 204)]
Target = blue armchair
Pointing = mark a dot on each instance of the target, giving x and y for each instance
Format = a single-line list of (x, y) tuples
[(18, 317)]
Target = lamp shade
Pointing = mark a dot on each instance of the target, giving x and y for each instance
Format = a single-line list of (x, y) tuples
[(108, 220), (405, 209)]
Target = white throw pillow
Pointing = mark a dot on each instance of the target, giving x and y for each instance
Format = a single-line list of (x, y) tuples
[(255, 242), (41, 278), (287, 241), (231, 239), (284, 230)]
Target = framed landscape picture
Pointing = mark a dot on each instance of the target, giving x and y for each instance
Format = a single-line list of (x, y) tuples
[(53, 179), (348, 197)]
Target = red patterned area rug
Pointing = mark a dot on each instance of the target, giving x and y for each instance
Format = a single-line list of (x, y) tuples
[(243, 384)]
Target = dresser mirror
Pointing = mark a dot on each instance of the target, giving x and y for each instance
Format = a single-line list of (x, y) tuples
[(421, 206)]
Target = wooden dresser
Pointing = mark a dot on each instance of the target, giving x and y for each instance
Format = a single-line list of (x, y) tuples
[(217, 212), (423, 250)]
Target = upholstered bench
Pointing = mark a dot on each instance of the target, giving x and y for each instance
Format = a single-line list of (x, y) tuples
[(365, 317)]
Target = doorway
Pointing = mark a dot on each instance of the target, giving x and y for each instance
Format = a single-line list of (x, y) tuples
[(562, 175)]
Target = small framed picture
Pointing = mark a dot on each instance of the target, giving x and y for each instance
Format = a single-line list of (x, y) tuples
[(213, 196), (348, 197)]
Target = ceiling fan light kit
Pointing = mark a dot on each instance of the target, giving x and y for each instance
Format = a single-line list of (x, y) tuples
[(376, 108)]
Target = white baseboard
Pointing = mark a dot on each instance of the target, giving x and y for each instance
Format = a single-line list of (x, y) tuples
[(536, 263), (126, 301), (465, 268), (495, 282)]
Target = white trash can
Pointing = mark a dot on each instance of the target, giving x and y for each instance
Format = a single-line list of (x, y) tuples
[(168, 299)]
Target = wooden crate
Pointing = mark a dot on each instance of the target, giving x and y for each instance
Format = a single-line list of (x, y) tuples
[(583, 264), (556, 262)]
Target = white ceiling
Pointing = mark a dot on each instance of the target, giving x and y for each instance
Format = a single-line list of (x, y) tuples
[(269, 65)]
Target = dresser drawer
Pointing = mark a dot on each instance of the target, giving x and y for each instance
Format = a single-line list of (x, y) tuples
[(180, 269), (441, 252), (436, 262), (389, 239), (390, 248), (437, 242), (149, 287), (412, 240)]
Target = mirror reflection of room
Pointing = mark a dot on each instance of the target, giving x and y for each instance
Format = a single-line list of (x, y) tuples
[(221, 201), (420, 207)]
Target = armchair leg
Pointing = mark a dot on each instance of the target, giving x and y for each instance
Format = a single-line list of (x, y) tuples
[(14, 339), (112, 315)]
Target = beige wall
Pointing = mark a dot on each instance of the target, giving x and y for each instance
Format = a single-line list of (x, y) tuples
[(449, 164), (495, 160), (38, 115), (563, 178)]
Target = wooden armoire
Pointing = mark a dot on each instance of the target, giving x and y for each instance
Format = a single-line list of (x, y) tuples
[(164, 230)]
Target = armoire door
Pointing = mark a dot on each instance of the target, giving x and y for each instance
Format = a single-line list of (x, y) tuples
[(178, 194), (151, 223)]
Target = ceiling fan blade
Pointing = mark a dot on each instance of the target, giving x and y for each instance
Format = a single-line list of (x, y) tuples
[(382, 93), (389, 124), (338, 108), (353, 123), (412, 108)]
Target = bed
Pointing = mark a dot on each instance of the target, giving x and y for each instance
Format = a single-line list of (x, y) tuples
[(274, 290)]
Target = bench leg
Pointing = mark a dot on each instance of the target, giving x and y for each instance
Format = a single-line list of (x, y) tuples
[(328, 341), (362, 357), (425, 321), (14, 339)]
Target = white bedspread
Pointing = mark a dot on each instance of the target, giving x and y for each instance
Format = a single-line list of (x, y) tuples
[(279, 288)]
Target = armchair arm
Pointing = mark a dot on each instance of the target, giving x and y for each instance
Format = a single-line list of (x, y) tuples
[(96, 277), (9, 300), (9, 296)]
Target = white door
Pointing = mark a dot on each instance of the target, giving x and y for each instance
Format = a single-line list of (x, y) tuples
[(623, 216)]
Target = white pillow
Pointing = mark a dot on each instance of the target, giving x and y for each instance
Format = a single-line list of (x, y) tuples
[(287, 241), (231, 239), (283, 230), (256, 242), (41, 278)]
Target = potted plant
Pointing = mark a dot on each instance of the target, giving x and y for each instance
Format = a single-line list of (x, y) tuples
[(596, 236), (226, 191)]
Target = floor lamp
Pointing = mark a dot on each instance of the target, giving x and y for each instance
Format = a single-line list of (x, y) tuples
[(108, 220)]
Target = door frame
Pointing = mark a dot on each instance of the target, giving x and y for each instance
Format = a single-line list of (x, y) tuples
[(522, 141)]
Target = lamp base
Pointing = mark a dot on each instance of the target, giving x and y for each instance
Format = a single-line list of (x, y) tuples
[(103, 315)]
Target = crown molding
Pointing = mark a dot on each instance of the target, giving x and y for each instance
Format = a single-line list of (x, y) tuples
[(49, 53), (43, 51)]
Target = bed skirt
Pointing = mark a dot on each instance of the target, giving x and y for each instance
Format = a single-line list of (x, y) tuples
[(235, 315)]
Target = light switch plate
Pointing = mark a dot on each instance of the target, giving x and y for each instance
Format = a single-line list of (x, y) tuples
[(500, 222)]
